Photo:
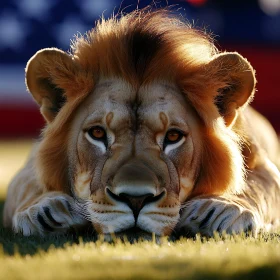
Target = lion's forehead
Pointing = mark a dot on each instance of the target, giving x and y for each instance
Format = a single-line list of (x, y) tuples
[(153, 104)]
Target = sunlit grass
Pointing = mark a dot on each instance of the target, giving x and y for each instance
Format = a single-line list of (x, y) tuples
[(232, 258), (12, 157), (73, 257)]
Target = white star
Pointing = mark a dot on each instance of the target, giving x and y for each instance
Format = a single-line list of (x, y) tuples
[(38, 9), (12, 31), (65, 31), (93, 9), (270, 7)]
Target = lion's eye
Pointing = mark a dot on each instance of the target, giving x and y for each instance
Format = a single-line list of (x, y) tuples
[(97, 136), (172, 137), (97, 133)]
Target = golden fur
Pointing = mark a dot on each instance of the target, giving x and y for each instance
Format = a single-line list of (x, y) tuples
[(234, 166)]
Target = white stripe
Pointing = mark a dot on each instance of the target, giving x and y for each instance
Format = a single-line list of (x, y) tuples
[(12, 86), (97, 143), (171, 147)]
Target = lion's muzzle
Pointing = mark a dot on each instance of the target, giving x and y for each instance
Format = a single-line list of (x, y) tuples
[(136, 185), (135, 196)]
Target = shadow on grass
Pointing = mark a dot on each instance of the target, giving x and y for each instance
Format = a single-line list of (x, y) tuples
[(271, 272), (17, 244)]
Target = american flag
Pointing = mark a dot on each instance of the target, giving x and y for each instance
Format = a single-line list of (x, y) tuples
[(27, 26)]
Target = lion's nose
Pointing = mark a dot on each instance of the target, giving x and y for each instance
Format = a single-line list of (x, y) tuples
[(136, 203)]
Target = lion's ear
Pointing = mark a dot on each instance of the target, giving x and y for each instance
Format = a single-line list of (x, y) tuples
[(47, 74), (234, 79)]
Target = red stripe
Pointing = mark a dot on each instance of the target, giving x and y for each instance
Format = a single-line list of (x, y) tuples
[(17, 121)]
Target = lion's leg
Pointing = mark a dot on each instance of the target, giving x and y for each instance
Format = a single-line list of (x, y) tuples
[(207, 215), (30, 210), (257, 207), (50, 212)]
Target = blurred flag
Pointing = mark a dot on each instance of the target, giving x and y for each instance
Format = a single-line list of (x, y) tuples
[(27, 26)]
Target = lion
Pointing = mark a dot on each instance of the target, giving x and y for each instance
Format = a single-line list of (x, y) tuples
[(148, 130)]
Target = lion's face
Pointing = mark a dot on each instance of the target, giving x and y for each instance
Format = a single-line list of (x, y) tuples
[(134, 154), (132, 150)]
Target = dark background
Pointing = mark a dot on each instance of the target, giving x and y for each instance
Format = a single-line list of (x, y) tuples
[(251, 27)]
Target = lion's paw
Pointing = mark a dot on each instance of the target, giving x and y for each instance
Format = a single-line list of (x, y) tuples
[(50, 215), (206, 216)]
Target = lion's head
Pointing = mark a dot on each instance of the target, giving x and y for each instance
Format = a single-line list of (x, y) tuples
[(140, 117)]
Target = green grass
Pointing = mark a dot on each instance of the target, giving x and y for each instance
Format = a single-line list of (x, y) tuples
[(83, 257)]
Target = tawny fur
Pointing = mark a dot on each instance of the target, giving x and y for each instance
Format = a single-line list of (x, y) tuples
[(142, 48)]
